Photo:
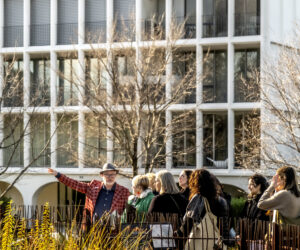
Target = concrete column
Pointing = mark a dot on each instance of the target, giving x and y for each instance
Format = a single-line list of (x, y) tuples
[(138, 20), (81, 126), (109, 20), (199, 11), (26, 96), (169, 9), (199, 100), (230, 85), (169, 143), (230, 97), (81, 21), (26, 27), (53, 117), (27, 144), (81, 139), (230, 140), (1, 23), (26, 79), (109, 91), (53, 23), (231, 18)]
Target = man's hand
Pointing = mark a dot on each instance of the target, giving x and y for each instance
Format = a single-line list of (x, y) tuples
[(52, 171)]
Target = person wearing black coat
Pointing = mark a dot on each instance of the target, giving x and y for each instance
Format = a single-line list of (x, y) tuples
[(183, 181), (202, 184), (257, 185), (169, 199)]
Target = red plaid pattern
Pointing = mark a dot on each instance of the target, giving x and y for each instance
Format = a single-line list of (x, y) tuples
[(92, 189)]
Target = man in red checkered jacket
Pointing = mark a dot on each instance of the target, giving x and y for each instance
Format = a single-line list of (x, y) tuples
[(101, 196)]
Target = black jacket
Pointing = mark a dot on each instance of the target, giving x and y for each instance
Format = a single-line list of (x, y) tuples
[(168, 203), (251, 211), (195, 211)]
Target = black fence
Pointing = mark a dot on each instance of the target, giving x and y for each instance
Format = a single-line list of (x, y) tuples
[(161, 231), (247, 24)]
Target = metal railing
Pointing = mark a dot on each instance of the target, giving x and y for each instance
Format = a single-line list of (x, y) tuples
[(214, 25), (247, 24), (13, 36), (163, 229), (153, 30), (124, 31), (95, 32), (67, 33), (189, 26), (39, 34)]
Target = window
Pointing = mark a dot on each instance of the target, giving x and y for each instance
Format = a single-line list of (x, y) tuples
[(96, 80), (40, 136), (246, 69), (247, 17), (95, 21), (40, 82), (40, 22), (214, 18), (13, 23), (247, 140), (95, 142), (215, 140), (184, 70), (13, 140), (124, 85), (13, 83), (124, 14), (67, 21), (184, 139), (215, 76), (68, 82), (67, 140)]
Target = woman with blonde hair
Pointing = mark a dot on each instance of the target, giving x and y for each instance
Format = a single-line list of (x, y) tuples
[(139, 201), (283, 195), (151, 177)]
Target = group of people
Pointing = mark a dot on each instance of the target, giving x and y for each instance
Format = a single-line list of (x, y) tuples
[(200, 191)]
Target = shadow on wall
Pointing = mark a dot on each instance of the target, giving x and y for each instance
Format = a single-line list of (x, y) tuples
[(14, 194)]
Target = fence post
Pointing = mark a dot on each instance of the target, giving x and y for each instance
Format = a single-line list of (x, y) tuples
[(275, 236)]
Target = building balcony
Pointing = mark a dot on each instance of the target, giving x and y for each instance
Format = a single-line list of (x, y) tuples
[(95, 32), (13, 36), (247, 24), (67, 33), (40, 34), (214, 25)]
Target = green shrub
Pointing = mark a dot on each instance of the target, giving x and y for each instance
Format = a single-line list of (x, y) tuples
[(237, 205)]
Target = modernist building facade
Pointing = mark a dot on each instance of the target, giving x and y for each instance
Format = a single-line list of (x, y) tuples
[(39, 35)]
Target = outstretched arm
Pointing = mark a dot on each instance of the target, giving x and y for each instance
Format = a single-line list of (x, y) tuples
[(69, 182)]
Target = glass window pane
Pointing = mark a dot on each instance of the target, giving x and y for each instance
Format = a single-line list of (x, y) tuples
[(215, 140)]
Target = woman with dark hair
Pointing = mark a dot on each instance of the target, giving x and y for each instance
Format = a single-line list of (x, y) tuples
[(283, 195), (257, 184), (203, 189), (184, 183)]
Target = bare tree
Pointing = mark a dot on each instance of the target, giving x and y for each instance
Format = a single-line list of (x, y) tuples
[(21, 122), (129, 92), (273, 139)]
